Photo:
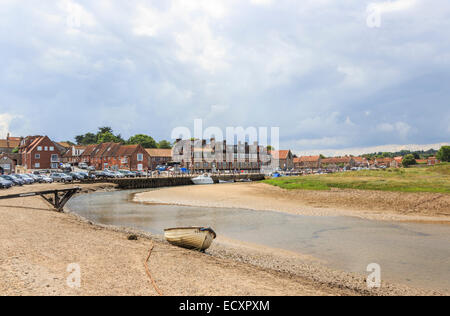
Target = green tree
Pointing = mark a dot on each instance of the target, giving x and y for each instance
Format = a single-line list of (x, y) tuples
[(444, 154), (86, 139), (144, 140), (164, 144), (105, 129), (15, 150), (409, 160), (108, 137)]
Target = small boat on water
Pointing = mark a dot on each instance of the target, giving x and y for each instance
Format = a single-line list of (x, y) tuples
[(195, 238), (203, 179)]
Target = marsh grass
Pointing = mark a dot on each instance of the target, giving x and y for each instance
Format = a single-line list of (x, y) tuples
[(426, 179)]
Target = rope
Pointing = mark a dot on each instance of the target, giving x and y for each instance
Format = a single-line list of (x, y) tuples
[(147, 270)]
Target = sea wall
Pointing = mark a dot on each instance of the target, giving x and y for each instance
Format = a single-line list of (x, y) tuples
[(144, 183)]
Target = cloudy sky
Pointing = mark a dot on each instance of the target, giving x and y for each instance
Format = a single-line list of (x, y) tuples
[(330, 73)]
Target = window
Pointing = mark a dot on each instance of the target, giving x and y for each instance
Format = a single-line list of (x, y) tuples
[(39, 148), (54, 158), (140, 157), (37, 165), (46, 148), (37, 156), (52, 148)]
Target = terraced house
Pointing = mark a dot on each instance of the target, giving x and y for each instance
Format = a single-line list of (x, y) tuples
[(115, 156), (199, 155), (307, 162)]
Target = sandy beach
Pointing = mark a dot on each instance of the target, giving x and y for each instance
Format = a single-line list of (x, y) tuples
[(377, 205), (37, 245)]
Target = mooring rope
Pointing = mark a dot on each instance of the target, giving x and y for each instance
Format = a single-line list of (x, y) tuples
[(149, 274)]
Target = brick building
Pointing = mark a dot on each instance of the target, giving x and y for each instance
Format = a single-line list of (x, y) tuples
[(115, 156), (307, 162), (338, 162), (201, 156), (9, 144), (285, 159), (158, 157), (39, 152), (8, 163)]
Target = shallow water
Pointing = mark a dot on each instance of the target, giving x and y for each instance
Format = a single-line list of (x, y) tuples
[(409, 253)]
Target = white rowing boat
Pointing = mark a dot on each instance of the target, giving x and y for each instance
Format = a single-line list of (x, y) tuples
[(196, 238)]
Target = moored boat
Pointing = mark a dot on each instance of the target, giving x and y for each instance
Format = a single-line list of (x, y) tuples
[(195, 238), (203, 179)]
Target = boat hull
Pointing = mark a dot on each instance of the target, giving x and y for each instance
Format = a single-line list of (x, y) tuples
[(194, 238), (203, 180)]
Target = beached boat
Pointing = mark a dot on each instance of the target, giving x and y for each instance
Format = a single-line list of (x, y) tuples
[(196, 238), (203, 179)]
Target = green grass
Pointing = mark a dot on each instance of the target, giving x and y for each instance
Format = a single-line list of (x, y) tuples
[(430, 179)]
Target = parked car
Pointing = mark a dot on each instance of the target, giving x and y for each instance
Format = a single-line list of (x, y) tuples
[(89, 176), (36, 178), (104, 174), (83, 166), (5, 184), (91, 168), (76, 176), (127, 173), (139, 173), (46, 179), (14, 179), (25, 178), (118, 174), (61, 177)]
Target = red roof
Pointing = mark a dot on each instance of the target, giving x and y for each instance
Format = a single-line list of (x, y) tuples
[(336, 160), (280, 154), (307, 159), (157, 152)]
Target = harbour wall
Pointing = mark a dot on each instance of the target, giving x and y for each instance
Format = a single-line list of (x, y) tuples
[(158, 182)]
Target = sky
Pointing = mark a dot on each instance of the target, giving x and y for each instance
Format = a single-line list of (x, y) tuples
[(330, 74)]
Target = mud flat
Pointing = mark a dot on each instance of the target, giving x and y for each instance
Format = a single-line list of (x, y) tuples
[(37, 245), (377, 205)]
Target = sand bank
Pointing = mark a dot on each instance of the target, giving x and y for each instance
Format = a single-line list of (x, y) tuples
[(377, 205)]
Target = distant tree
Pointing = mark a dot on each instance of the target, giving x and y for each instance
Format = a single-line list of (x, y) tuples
[(409, 160), (322, 156), (86, 139), (108, 137), (144, 140), (164, 144), (15, 150), (270, 148), (444, 154), (105, 129)]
